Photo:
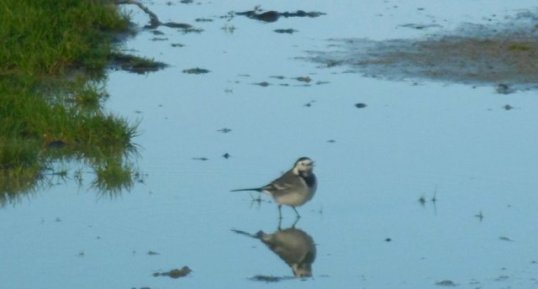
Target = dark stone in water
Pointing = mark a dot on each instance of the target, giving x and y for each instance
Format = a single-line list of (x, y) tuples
[(263, 84), (269, 16), (360, 105), (446, 283), (508, 107), (178, 25), (306, 79), (504, 88), (287, 31)]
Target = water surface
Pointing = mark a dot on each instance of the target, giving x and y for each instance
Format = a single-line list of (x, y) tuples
[(454, 146)]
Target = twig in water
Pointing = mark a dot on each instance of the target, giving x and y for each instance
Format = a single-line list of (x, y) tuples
[(154, 21)]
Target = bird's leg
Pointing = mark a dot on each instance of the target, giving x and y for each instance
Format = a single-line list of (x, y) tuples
[(296, 213), (295, 223), (255, 200), (280, 213)]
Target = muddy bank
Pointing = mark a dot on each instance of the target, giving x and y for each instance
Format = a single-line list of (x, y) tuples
[(503, 55)]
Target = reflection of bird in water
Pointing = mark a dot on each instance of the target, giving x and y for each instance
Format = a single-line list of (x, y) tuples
[(294, 188), (293, 246)]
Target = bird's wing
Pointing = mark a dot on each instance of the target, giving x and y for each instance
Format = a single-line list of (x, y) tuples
[(283, 184)]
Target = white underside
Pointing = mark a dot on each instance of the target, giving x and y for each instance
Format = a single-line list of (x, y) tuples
[(293, 198)]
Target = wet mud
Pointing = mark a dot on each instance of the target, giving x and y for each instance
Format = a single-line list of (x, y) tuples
[(501, 54)]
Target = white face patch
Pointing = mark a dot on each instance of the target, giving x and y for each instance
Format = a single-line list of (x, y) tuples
[(305, 165)]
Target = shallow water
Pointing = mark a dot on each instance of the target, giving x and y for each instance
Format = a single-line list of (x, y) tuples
[(454, 146)]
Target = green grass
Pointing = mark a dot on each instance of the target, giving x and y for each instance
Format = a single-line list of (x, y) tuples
[(135, 64), (53, 36), (114, 176), (52, 61), (520, 46)]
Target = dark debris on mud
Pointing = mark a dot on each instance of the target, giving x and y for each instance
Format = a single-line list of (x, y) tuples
[(203, 159), (272, 16), (506, 239), (175, 273), (196, 70), (302, 81), (502, 55), (446, 283), (285, 31), (417, 26)]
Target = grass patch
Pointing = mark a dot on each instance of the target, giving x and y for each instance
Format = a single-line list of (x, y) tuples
[(52, 61), (51, 37), (520, 46), (135, 64), (114, 176)]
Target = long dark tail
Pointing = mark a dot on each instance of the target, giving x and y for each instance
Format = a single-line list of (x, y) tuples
[(256, 236), (249, 189)]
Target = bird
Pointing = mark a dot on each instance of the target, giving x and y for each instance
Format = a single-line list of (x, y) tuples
[(294, 188)]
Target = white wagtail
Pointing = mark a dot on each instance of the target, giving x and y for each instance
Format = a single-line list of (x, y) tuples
[(294, 188)]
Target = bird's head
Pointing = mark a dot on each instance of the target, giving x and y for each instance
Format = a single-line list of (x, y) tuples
[(303, 166)]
